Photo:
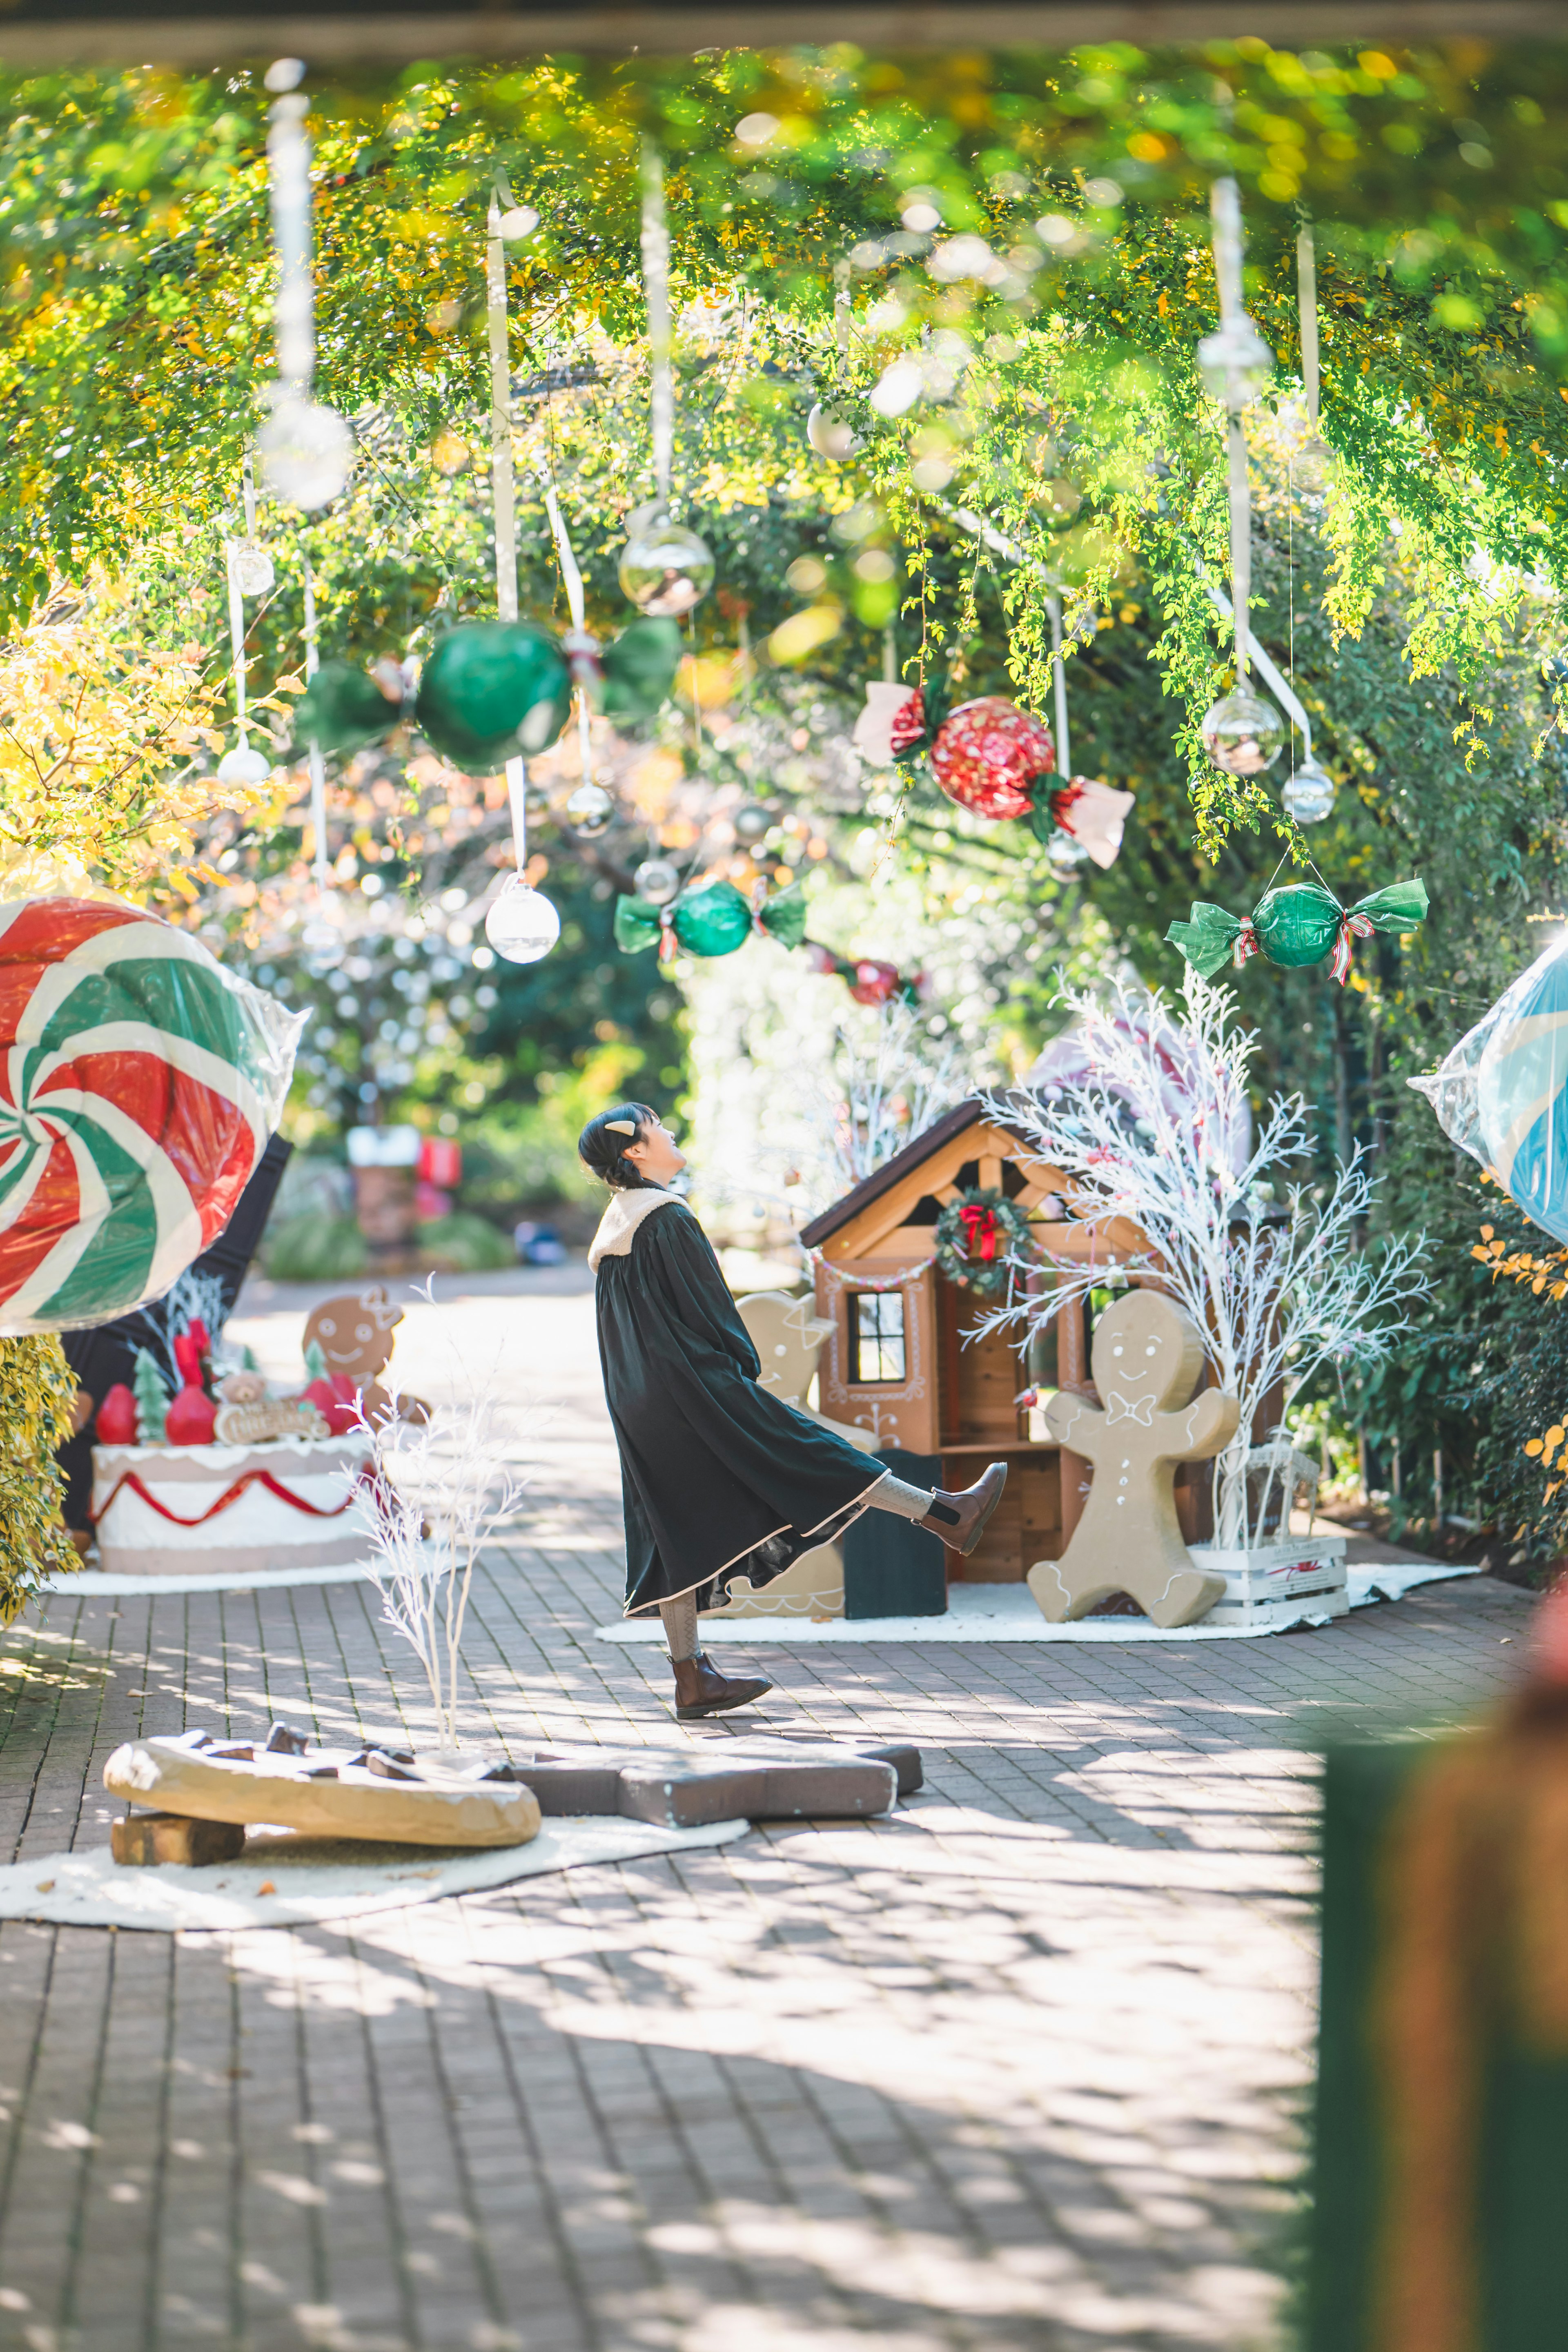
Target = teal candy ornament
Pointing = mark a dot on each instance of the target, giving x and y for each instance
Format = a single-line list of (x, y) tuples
[(493, 691), (344, 708), (638, 669), (714, 920)]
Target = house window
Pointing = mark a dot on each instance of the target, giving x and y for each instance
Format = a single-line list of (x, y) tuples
[(876, 1336)]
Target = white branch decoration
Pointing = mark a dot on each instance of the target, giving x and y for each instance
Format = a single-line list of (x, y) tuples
[(1279, 1287), (445, 1485), (886, 1083)]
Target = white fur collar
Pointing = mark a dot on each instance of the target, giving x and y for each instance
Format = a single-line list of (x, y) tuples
[(621, 1219)]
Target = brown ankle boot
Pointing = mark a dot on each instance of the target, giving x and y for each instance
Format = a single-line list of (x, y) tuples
[(960, 1519), (700, 1689)]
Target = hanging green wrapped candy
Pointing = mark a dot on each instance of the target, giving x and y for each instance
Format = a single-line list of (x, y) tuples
[(345, 708), (493, 691), (1298, 924), (638, 669), (714, 920)]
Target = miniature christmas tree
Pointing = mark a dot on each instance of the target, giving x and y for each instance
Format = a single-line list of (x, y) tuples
[(152, 1399), (315, 1361)]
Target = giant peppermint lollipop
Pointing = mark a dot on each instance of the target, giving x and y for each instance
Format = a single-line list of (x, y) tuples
[(138, 1082)]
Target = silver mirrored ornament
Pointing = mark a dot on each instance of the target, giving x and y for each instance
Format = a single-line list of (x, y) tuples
[(521, 925), (656, 880), (589, 810), (831, 436), (751, 823), (1235, 363), (306, 451), (1242, 733), (1065, 856), (251, 567), (244, 766), (1308, 795), (664, 569)]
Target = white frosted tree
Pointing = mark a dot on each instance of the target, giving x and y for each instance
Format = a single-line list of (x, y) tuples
[(1156, 1128), (885, 1081)]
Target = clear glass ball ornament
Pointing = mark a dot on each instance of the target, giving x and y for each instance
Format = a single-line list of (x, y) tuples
[(831, 436), (522, 924), (1242, 733), (751, 823), (251, 566), (664, 569), (1235, 363), (656, 880), (306, 451), (1065, 856), (244, 766), (589, 810), (1308, 795)]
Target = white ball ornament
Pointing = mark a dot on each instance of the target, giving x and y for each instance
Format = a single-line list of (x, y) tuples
[(1242, 733), (656, 880), (251, 566), (589, 810), (306, 451), (1308, 795), (831, 436), (1064, 856), (244, 766), (522, 924), (664, 569), (1235, 364)]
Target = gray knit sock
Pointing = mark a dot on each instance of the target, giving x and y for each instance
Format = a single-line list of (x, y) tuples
[(678, 1619), (905, 1502)]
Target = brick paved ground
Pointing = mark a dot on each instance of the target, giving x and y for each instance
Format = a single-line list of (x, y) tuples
[(1016, 2072)]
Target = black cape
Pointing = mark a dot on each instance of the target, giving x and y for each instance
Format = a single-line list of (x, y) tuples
[(717, 1477)]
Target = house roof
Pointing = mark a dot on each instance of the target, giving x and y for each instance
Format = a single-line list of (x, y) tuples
[(883, 1179)]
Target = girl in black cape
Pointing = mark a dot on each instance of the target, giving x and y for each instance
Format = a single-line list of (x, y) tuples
[(717, 1477)]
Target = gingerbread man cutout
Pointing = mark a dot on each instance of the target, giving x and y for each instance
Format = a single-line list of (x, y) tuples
[(355, 1336), (787, 1335), (1146, 1360)]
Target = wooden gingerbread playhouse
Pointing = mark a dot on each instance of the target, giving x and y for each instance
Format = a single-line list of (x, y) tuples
[(898, 1362)]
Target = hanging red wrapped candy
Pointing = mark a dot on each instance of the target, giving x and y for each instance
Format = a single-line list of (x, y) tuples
[(986, 754)]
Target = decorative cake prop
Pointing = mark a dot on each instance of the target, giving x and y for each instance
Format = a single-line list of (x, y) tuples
[(224, 1478), (139, 1084)]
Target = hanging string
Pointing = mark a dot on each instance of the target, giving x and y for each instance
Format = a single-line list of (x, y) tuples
[(318, 768), (656, 288), (1224, 204), (503, 487), (237, 605), (1060, 678), (1307, 306), (577, 602)]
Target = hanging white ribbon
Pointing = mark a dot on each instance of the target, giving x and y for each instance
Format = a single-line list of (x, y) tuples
[(318, 768), (1224, 204), (579, 644), (1307, 307), (503, 487), (656, 288)]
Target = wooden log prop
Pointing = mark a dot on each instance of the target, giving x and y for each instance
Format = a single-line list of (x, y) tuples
[(374, 1794), (1146, 1361)]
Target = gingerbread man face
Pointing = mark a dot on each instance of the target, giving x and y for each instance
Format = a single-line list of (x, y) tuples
[(787, 1335), (355, 1333), (1146, 1358)]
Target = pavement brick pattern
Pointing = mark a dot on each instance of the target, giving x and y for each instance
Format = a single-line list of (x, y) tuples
[(1019, 2070)]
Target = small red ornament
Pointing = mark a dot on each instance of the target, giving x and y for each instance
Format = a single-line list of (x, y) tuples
[(116, 1421), (337, 1398), (875, 982), (985, 754)]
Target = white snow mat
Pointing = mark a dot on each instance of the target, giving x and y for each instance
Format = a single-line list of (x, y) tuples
[(1007, 1613), (311, 1879), (93, 1580)]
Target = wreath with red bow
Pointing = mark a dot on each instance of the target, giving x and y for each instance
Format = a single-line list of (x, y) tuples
[(976, 1236)]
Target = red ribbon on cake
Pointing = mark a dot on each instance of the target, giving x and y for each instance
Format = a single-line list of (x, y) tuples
[(132, 1478)]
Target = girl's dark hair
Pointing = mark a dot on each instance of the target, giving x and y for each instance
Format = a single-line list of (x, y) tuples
[(602, 1151)]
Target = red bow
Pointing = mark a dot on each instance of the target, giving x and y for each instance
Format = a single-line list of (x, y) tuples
[(979, 1223), (1353, 928), (1246, 945)]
